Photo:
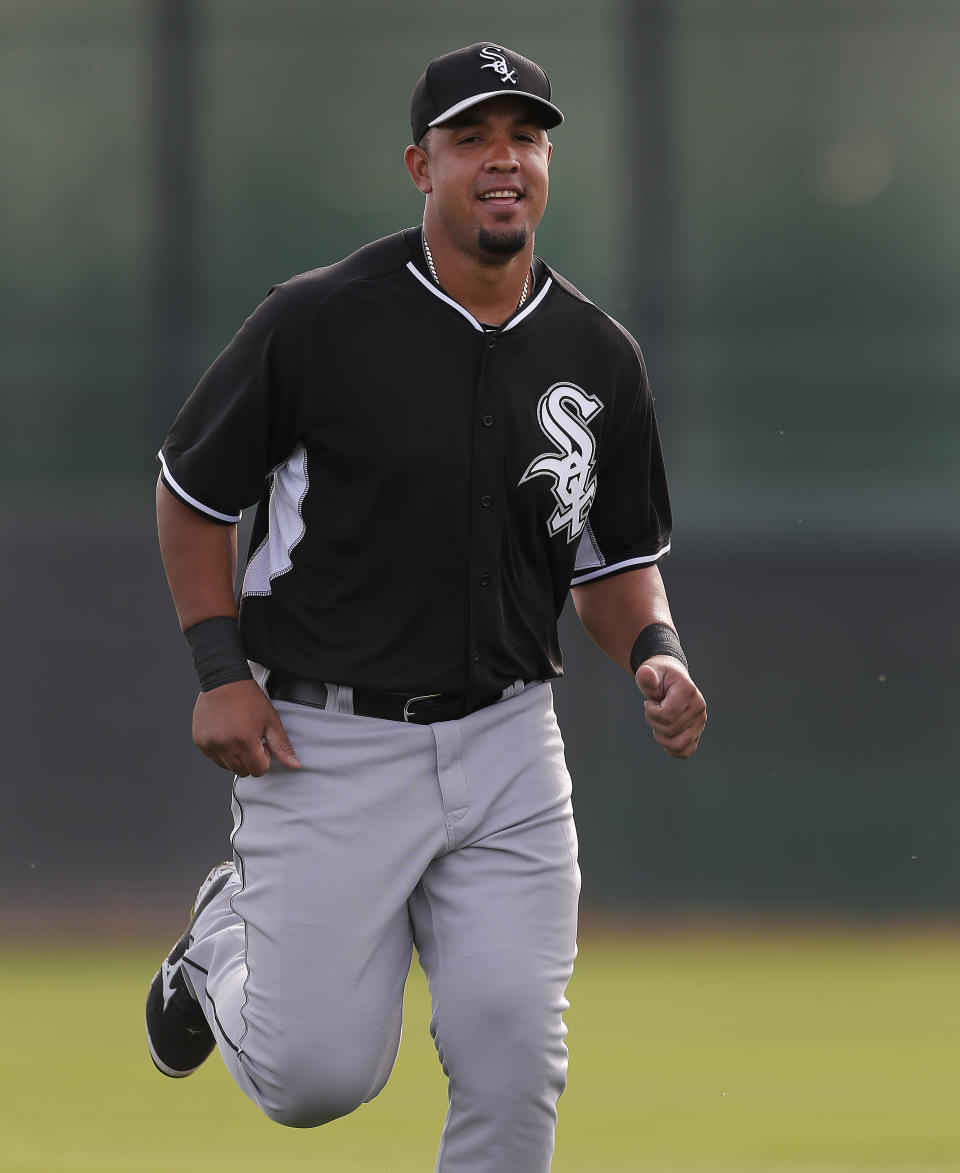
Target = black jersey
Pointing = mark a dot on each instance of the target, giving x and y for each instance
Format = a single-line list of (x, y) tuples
[(428, 489)]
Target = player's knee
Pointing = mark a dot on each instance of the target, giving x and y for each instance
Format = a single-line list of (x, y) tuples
[(310, 1105), (308, 1090), (307, 1110)]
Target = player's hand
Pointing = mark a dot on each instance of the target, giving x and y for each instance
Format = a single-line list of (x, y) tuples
[(674, 707), (237, 727)]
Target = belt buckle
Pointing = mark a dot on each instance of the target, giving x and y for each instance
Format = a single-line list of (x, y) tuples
[(429, 696)]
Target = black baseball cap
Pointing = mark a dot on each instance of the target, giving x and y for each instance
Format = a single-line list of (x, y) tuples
[(456, 81)]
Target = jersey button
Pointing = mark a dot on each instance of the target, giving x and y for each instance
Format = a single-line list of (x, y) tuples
[(484, 579), (486, 500), (487, 421)]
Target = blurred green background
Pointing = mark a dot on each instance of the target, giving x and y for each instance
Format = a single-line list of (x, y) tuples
[(766, 193)]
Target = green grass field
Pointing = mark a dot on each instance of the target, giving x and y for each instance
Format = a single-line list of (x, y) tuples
[(781, 1052)]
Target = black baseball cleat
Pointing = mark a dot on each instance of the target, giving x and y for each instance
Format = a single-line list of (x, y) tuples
[(177, 1032)]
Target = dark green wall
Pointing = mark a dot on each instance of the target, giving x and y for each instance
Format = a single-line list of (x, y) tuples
[(765, 193)]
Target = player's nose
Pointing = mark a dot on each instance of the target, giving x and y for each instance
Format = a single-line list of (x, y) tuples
[(502, 161)]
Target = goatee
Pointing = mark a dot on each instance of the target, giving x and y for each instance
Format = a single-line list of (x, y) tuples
[(504, 243)]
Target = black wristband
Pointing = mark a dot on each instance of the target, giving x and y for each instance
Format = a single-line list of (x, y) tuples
[(656, 640), (218, 654)]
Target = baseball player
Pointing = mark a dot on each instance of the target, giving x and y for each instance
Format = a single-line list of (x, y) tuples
[(443, 437)]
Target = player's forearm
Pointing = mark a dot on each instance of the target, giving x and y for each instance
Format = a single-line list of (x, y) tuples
[(200, 559), (615, 610)]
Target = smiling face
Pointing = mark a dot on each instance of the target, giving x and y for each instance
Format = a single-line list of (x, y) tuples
[(484, 174)]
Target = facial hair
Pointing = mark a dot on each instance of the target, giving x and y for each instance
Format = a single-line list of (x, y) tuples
[(505, 244)]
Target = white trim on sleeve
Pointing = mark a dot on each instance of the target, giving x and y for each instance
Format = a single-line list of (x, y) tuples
[(232, 518), (645, 560)]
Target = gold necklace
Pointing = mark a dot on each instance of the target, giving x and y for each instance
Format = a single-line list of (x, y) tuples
[(433, 273)]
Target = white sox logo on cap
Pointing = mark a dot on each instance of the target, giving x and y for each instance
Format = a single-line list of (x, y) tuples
[(460, 80), (563, 411), (497, 62)]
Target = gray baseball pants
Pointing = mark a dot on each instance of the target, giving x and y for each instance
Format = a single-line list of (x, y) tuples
[(456, 838)]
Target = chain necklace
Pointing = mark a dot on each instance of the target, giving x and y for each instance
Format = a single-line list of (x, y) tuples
[(433, 273)]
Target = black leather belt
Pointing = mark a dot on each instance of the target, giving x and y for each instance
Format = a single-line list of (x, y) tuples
[(419, 708)]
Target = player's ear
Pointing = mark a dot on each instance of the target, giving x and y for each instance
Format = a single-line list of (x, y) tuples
[(418, 165)]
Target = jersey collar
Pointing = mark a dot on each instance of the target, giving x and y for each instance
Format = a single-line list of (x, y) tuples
[(542, 283)]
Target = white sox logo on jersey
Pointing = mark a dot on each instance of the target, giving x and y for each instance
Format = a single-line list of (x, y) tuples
[(564, 411), (497, 62)]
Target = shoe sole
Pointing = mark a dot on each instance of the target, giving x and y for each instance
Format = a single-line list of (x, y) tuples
[(159, 1063)]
